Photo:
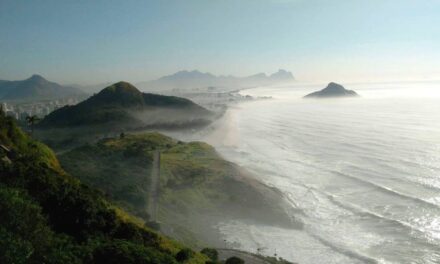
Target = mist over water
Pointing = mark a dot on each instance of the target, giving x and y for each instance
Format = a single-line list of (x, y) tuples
[(363, 173)]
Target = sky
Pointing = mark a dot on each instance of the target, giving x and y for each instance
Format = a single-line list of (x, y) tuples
[(97, 41)]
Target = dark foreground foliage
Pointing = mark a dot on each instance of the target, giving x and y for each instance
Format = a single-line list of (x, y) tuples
[(234, 260), (47, 216), (211, 253)]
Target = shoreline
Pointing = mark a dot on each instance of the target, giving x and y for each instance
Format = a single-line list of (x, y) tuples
[(223, 133)]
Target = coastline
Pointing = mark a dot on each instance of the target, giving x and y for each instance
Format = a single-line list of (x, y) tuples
[(223, 133)]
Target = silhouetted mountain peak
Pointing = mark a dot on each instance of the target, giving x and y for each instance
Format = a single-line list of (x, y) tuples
[(36, 78), (35, 87), (334, 87), (333, 90)]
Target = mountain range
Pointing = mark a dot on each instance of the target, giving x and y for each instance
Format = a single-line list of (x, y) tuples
[(185, 80), (124, 105), (35, 88)]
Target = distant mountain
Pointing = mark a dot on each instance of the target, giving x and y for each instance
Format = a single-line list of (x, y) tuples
[(332, 90), (124, 105), (35, 88), (188, 75), (187, 80), (282, 75)]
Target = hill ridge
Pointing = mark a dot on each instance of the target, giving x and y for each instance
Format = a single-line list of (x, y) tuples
[(122, 103)]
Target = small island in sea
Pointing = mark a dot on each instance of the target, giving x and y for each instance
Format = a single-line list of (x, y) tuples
[(331, 91)]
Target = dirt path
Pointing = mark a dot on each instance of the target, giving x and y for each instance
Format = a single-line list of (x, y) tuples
[(153, 192)]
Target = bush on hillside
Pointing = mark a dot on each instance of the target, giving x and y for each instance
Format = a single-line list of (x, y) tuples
[(211, 253), (184, 254), (234, 260)]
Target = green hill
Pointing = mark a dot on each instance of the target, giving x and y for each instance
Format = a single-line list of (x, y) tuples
[(198, 188), (124, 106), (48, 216)]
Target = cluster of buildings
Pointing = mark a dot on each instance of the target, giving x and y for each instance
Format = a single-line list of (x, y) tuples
[(21, 110)]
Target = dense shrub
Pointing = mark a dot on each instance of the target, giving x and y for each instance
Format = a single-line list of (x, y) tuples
[(25, 236), (234, 260), (121, 251), (184, 254), (211, 253)]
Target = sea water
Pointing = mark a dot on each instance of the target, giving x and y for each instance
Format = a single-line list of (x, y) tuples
[(364, 173)]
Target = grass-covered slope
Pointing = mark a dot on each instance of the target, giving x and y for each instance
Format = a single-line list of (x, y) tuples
[(47, 216), (197, 187), (121, 173), (124, 105)]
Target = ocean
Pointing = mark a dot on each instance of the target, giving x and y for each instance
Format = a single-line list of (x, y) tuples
[(364, 173)]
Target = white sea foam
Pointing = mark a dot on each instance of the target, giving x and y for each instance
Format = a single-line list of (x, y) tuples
[(364, 172)]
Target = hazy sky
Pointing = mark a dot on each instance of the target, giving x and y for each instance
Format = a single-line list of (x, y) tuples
[(90, 41)]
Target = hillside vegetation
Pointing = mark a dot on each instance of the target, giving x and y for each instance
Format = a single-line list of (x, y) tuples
[(198, 188), (124, 106), (47, 216)]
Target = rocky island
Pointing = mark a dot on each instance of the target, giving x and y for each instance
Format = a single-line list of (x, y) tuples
[(331, 91)]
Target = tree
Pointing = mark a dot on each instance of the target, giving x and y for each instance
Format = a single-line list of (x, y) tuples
[(211, 253), (234, 260), (184, 254), (32, 120), (123, 251)]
